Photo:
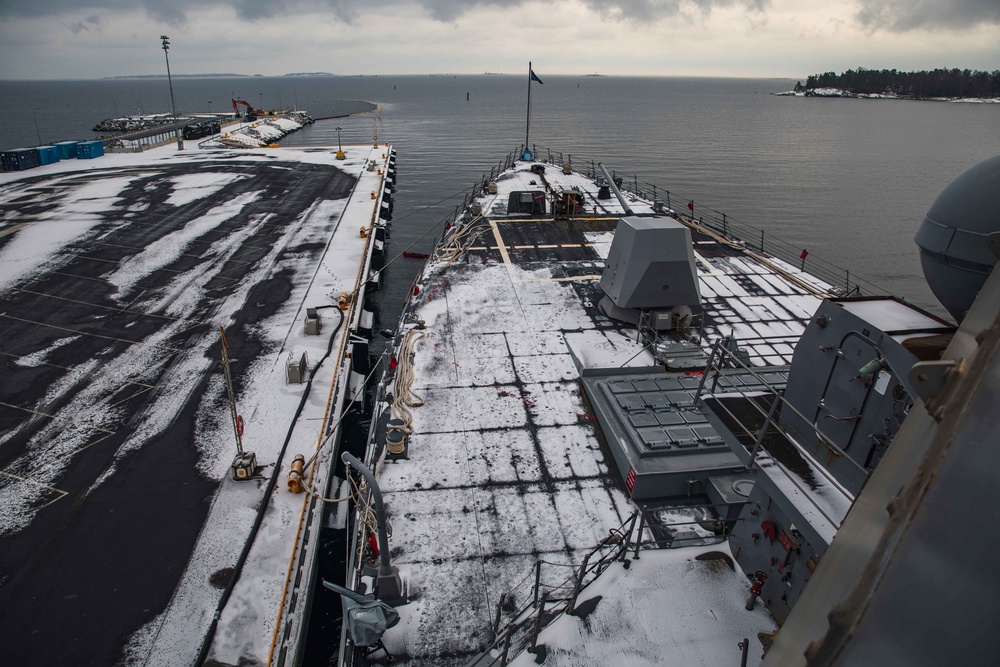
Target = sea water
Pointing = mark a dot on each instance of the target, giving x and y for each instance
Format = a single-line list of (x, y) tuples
[(847, 180)]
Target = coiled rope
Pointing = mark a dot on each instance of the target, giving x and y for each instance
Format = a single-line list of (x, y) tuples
[(453, 248), (404, 397)]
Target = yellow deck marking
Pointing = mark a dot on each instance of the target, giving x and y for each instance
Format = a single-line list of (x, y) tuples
[(561, 280), (87, 333), (129, 398), (98, 305), (45, 414), (62, 494), (67, 368), (87, 446), (13, 228), (116, 262), (73, 275), (501, 246), (710, 271), (132, 247)]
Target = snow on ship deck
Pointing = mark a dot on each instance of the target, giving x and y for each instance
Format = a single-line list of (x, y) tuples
[(506, 464), (119, 522)]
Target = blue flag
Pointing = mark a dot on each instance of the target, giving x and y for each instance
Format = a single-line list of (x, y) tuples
[(534, 77)]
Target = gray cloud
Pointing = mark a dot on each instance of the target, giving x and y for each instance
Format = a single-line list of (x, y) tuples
[(174, 12), (92, 22), (894, 15), (648, 10), (169, 11), (449, 10), (905, 15)]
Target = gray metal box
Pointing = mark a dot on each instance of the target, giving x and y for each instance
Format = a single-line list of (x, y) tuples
[(296, 369), (314, 323), (651, 265)]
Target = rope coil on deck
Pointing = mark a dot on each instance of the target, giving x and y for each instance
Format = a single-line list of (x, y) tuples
[(453, 248), (404, 396)]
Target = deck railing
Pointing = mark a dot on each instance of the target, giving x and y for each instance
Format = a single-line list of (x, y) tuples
[(722, 362), (545, 603), (521, 615), (753, 238)]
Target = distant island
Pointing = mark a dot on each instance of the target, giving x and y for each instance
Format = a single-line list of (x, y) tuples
[(212, 75), (939, 84)]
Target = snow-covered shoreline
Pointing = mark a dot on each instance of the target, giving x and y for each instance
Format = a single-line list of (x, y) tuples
[(260, 133), (837, 92)]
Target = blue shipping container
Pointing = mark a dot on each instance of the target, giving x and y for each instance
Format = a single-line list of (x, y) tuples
[(67, 149), (86, 150), (47, 154), (19, 159)]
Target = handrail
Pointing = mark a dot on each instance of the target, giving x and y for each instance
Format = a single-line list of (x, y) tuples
[(716, 366), (512, 640), (717, 369), (728, 227)]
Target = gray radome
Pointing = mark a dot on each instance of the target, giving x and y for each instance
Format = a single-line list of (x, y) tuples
[(954, 248)]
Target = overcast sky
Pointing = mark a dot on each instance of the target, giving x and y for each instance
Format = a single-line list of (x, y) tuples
[(782, 38)]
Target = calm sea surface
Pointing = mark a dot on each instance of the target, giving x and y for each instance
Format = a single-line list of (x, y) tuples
[(849, 180)]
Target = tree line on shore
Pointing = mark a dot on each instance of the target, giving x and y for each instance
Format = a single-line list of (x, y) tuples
[(923, 84)]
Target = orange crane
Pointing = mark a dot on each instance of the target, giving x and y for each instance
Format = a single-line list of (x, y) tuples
[(251, 114)]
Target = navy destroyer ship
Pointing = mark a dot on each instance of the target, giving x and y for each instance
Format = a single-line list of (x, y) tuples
[(614, 428)]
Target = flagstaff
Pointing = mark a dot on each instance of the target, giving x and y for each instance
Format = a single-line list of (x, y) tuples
[(527, 124)]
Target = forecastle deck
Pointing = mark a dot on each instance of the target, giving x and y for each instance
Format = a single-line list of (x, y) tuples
[(507, 465)]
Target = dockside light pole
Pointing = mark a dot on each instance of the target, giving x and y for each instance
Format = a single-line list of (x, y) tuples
[(173, 107)]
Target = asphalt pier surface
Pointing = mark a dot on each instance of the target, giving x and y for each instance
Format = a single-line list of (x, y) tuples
[(113, 283)]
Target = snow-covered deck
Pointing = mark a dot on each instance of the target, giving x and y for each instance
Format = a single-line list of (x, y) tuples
[(116, 274), (506, 465), (670, 608)]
